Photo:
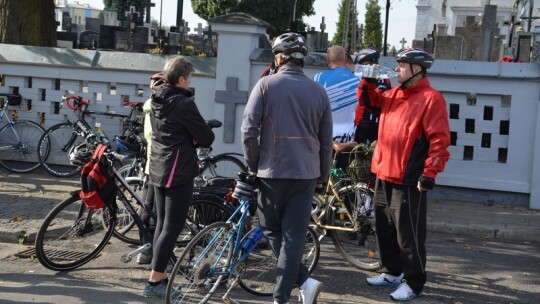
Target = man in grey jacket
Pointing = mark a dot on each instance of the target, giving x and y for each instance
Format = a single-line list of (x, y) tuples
[(287, 142)]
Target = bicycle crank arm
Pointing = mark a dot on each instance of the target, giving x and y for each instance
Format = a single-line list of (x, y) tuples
[(126, 258)]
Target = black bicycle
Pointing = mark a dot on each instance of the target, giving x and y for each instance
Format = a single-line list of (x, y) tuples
[(58, 142), (71, 234)]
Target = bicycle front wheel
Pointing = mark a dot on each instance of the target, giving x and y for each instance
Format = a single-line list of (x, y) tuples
[(59, 140), (18, 146), (353, 208), (203, 266), (260, 267), (223, 166), (71, 235)]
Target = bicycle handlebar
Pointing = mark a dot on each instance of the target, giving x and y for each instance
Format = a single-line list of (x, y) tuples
[(78, 103)]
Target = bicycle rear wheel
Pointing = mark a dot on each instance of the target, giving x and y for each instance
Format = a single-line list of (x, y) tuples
[(260, 269), (19, 143), (203, 265), (358, 247), (71, 235), (59, 140), (223, 166)]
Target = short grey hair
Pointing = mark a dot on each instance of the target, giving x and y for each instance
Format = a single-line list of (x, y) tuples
[(177, 66)]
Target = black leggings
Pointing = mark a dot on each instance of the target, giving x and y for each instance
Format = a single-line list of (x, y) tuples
[(172, 205)]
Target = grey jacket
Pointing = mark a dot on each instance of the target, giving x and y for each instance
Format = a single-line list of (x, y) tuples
[(287, 127)]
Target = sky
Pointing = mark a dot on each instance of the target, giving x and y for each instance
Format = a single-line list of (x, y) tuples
[(402, 16)]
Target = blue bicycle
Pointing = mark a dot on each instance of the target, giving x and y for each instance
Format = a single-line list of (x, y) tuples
[(18, 138), (223, 255)]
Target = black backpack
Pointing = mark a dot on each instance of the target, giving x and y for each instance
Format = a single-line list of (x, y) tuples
[(97, 181)]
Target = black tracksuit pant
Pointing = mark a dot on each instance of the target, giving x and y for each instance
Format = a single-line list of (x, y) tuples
[(400, 216)]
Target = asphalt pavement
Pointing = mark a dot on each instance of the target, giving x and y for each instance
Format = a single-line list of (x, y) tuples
[(477, 253), (25, 199)]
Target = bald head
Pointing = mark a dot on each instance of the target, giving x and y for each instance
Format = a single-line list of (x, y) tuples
[(336, 56)]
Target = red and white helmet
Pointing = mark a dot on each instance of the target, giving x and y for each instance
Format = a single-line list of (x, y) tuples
[(157, 81)]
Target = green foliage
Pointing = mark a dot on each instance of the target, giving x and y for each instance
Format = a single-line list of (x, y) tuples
[(341, 28), (373, 27), (276, 12)]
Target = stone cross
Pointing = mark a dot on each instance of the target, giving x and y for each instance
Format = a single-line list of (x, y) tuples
[(403, 41), (230, 97), (199, 29)]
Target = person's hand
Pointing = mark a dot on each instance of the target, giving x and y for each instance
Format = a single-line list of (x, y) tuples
[(243, 191), (425, 183)]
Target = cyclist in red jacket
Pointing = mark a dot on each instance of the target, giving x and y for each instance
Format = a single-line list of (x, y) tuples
[(366, 117), (412, 149)]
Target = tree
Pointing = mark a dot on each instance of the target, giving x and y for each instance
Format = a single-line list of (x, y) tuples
[(275, 12), (123, 6), (28, 22), (347, 22), (373, 27)]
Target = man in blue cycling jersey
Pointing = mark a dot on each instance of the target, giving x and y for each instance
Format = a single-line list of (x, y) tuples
[(340, 85)]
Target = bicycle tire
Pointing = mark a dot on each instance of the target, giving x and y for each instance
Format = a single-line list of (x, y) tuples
[(259, 276), (23, 157), (223, 165), (71, 235), (58, 140), (199, 271), (359, 248)]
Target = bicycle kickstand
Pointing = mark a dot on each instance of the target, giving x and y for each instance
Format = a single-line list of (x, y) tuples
[(226, 298), (126, 258)]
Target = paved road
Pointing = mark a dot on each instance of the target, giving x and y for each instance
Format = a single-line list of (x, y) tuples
[(461, 269)]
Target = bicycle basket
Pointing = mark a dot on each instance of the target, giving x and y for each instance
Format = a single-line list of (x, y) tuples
[(359, 168)]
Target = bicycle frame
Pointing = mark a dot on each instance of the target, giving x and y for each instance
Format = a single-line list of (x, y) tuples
[(10, 122), (235, 236), (319, 214)]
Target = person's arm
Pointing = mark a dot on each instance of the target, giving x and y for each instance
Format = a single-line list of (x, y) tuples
[(250, 129), (325, 139), (437, 132), (196, 125)]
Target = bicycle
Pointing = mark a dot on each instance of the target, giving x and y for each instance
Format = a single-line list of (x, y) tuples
[(58, 141), (344, 211), (71, 234), (221, 254), (18, 139), (221, 165)]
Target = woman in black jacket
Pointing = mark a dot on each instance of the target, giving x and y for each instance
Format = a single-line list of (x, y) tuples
[(178, 128)]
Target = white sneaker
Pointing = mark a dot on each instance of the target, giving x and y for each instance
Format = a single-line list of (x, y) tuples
[(404, 293), (385, 279), (309, 291)]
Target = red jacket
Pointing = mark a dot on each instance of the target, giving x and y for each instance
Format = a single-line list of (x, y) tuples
[(363, 111), (414, 133)]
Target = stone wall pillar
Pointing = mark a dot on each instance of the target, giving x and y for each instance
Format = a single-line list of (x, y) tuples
[(238, 36)]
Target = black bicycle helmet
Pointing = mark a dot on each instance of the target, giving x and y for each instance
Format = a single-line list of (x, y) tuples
[(416, 56), (367, 56), (290, 44)]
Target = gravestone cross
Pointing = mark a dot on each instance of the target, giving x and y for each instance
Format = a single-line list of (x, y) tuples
[(230, 97), (199, 29), (403, 41)]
